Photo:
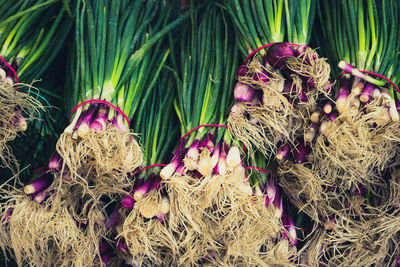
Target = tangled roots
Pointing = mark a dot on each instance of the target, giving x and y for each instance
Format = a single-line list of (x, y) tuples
[(50, 235), (355, 152), (16, 108), (216, 220), (149, 240), (101, 160)]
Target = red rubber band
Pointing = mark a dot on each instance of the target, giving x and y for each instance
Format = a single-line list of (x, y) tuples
[(39, 169), (147, 167), (204, 125), (12, 70), (265, 46), (255, 168), (103, 102), (375, 74)]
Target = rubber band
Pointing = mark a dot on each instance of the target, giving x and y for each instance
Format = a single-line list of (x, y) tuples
[(102, 102), (39, 169), (191, 131), (375, 74), (204, 125), (12, 70), (268, 45), (147, 167), (256, 168), (42, 97)]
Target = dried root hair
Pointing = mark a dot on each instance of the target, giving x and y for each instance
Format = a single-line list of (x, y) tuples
[(262, 126), (308, 191), (356, 152), (374, 242), (15, 107), (48, 235), (217, 221), (101, 159), (309, 64), (148, 239)]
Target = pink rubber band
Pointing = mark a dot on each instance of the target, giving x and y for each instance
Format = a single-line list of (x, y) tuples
[(255, 168), (103, 102), (12, 70), (191, 131), (204, 125), (147, 167), (375, 74), (265, 46)]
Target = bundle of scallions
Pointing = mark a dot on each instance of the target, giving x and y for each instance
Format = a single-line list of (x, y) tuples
[(137, 224), (59, 218), (32, 33), (280, 83)]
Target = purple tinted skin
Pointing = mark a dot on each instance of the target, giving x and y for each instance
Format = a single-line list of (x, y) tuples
[(55, 161), (242, 70), (266, 201), (277, 54), (343, 93), (282, 152), (105, 248), (80, 119), (115, 218), (162, 217), (128, 203), (177, 159), (243, 92), (329, 87), (155, 183), (92, 111), (122, 244), (208, 142), (288, 89), (332, 116), (41, 196), (181, 169), (299, 50), (9, 212), (195, 144), (300, 153), (263, 77), (144, 188), (359, 190), (292, 230), (41, 182), (106, 258), (101, 118), (303, 95), (216, 169), (309, 81), (366, 94), (278, 201)]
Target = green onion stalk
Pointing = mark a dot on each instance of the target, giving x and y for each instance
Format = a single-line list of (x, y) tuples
[(203, 97), (116, 56), (362, 34), (138, 220), (262, 22), (32, 33)]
